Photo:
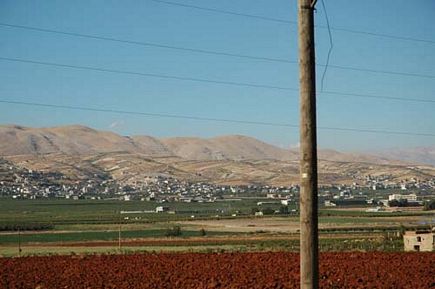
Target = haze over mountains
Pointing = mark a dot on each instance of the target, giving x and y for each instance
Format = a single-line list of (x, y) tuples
[(81, 152)]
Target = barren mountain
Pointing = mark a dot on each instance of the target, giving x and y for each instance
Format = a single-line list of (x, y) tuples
[(150, 146), (425, 155), (17, 140), (332, 155), (232, 147), (71, 140), (79, 153), (81, 140)]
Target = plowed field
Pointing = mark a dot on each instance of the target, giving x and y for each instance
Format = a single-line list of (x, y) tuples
[(226, 270)]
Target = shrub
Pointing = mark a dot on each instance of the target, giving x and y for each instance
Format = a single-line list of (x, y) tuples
[(429, 205), (268, 211), (173, 232)]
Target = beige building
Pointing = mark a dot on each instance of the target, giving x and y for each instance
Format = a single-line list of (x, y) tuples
[(419, 241)]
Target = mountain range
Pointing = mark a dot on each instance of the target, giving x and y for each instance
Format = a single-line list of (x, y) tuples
[(81, 151), (82, 140)]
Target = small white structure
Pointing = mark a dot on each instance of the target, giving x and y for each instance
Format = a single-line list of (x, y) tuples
[(161, 209), (328, 203), (285, 202), (377, 209)]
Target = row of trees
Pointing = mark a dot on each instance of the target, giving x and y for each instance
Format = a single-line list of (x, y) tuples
[(26, 227), (427, 206)]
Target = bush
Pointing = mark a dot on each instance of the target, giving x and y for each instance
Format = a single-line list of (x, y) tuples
[(173, 232), (284, 210), (268, 211), (398, 203), (429, 205), (26, 227)]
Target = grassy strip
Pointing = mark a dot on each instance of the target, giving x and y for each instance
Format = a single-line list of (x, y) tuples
[(96, 236), (379, 244)]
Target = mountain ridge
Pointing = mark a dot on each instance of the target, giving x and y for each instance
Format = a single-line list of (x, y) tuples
[(83, 140), (83, 153)]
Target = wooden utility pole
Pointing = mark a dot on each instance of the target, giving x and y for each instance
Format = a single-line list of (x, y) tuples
[(309, 263), (19, 242), (119, 237), (119, 229)]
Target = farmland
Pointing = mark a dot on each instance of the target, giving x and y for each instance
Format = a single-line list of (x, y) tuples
[(91, 214), (54, 226), (217, 270)]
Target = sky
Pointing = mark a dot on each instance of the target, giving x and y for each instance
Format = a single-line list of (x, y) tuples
[(174, 25)]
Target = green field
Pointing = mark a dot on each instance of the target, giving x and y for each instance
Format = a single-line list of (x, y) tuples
[(67, 221), (61, 211)]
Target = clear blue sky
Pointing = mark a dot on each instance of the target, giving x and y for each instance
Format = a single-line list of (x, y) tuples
[(179, 26)]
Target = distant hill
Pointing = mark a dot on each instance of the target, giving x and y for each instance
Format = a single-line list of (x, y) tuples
[(424, 155), (81, 140), (231, 147), (80, 152)]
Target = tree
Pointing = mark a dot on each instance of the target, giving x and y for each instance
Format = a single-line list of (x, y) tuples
[(268, 211), (254, 210), (173, 232), (429, 205), (127, 188), (202, 232), (398, 203), (284, 210), (402, 230), (393, 203)]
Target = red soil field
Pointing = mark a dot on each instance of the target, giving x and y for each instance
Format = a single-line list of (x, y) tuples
[(217, 270)]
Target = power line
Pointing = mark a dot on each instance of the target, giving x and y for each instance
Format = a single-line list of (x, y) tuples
[(375, 131), (383, 97), (331, 45), (150, 44), (154, 75), (227, 12), (278, 20), (198, 118), (164, 115), (213, 52), (233, 83), (341, 67)]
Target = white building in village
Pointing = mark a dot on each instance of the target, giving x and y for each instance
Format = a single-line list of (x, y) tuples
[(398, 197)]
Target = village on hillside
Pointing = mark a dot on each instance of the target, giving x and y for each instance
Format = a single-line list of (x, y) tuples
[(375, 193)]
